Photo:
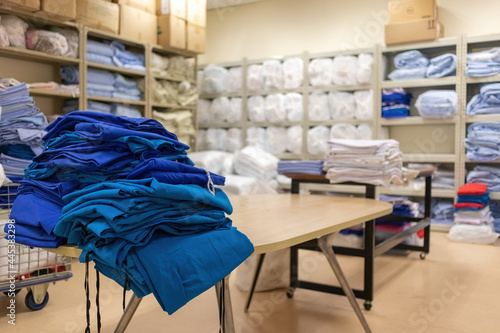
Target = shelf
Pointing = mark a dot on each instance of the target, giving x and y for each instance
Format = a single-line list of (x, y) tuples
[(439, 43), (405, 191), (108, 35), (15, 52), (268, 124), (483, 38), (479, 162), (482, 117), (492, 78), (116, 69), (345, 121), (170, 78), (342, 88), (219, 125), (212, 96), (431, 158), (52, 93), (288, 156), (420, 83), (115, 100), (416, 121), (173, 106)]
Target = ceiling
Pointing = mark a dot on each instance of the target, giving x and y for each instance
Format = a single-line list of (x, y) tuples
[(215, 4)]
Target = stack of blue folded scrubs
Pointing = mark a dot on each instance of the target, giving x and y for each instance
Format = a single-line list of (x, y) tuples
[(483, 141), (487, 101), (395, 103)]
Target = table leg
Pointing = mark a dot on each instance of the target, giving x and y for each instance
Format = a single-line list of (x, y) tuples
[(228, 321), (255, 279), (132, 306), (325, 244)]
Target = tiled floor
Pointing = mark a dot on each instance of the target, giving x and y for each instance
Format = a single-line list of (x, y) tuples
[(455, 290)]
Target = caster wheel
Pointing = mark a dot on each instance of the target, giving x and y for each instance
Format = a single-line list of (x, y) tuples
[(423, 255), (289, 292), (367, 305), (17, 291), (32, 305)]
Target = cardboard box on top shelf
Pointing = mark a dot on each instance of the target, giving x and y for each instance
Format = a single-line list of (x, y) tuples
[(64, 10), (171, 31), (98, 14), (197, 12), (196, 37), (145, 5), (138, 25), (29, 5), (410, 10), (413, 31), (171, 7)]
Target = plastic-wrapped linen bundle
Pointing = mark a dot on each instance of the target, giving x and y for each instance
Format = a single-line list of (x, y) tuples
[(209, 160), (437, 104), (275, 108), (233, 139), (272, 71), (345, 70), (293, 106), (294, 139), (317, 140), (255, 78), (343, 131), (159, 64), (257, 136), (364, 73), (320, 72), (235, 107), (364, 132), (252, 161), (16, 30), (4, 37), (318, 107), (201, 139), (255, 107), (364, 104), (47, 42), (342, 105), (216, 139), (277, 137), (214, 79), (219, 109), (293, 73), (233, 83), (204, 115)]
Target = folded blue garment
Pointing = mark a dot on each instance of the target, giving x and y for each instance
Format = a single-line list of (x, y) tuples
[(103, 49), (437, 104), (125, 111), (484, 63), (482, 69), (127, 59), (13, 93), (23, 152), (487, 101), (479, 199), (408, 73), (99, 93), (411, 59), (122, 82), (443, 65), (100, 76), (120, 95), (100, 59), (485, 175), (70, 74)]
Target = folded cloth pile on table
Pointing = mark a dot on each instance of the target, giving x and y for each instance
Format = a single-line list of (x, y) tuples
[(486, 175), (395, 103), (483, 141), (487, 101), (117, 109), (252, 161), (484, 63), (309, 167), (437, 104)]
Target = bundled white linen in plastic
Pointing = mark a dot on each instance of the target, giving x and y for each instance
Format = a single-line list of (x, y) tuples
[(342, 105), (320, 72), (318, 107), (364, 73), (216, 139), (16, 30), (271, 275), (235, 107), (201, 139), (470, 233), (294, 139), (257, 136), (209, 160), (255, 107), (277, 138), (204, 115), (272, 71), (255, 78), (214, 79), (293, 73), (199, 79), (252, 161), (293, 106), (364, 132), (275, 108), (345, 70), (233, 139), (233, 81), (219, 109), (159, 65), (317, 140), (364, 104), (343, 131)]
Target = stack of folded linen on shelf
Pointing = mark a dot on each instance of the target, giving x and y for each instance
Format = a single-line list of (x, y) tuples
[(364, 104), (275, 108), (233, 139), (395, 103), (443, 180), (203, 110), (252, 161), (241, 185), (484, 63), (124, 88), (159, 65), (164, 92), (377, 162), (99, 52), (483, 141), (410, 65), (345, 70), (188, 93), (318, 107), (293, 73), (272, 72), (487, 101), (71, 105), (126, 59), (473, 220), (364, 132), (294, 139), (179, 122), (216, 139), (255, 78), (73, 89), (309, 167), (125, 111), (294, 107), (235, 110), (437, 104), (442, 211), (100, 83), (320, 72), (495, 213), (317, 140), (219, 109), (487, 175), (402, 206), (181, 68), (214, 79), (14, 166), (443, 65), (49, 42), (16, 30), (234, 79)]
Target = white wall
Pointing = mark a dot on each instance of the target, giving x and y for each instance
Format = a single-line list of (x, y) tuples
[(284, 27)]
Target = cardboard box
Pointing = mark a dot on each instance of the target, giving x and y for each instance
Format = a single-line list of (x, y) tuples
[(196, 37), (171, 7), (413, 31), (137, 24), (197, 12), (64, 10), (98, 14), (29, 5), (145, 5), (410, 10), (171, 31)]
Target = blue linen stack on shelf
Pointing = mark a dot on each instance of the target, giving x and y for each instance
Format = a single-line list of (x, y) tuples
[(487, 101), (117, 109), (437, 104), (308, 167), (483, 141), (114, 54), (442, 211), (487, 175), (415, 65), (484, 63), (395, 103)]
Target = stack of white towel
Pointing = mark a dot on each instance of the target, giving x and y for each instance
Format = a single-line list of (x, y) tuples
[(254, 162), (318, 136)]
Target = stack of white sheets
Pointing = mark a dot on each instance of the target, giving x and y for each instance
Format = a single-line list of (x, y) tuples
[(252, 161)]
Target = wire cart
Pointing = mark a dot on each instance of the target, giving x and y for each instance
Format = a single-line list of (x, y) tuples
[(25, 267)]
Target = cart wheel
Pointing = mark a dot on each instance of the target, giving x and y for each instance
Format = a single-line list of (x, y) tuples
[(17, 291), (289, 292), (423, 255), (32, 305), (367, 305)]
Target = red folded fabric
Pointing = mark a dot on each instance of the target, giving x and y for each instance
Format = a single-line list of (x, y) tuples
[(469, 205), (473, 189)]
